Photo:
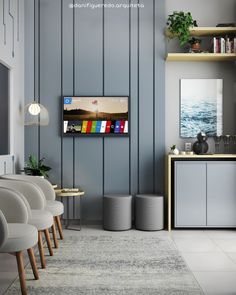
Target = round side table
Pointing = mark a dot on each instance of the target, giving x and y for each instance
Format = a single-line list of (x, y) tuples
[(68, 193)]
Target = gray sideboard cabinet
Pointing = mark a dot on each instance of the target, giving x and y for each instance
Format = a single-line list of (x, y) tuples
[(205, 194), (201, 191)]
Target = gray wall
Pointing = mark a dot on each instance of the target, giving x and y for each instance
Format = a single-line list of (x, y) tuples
[(4, 110), (207, 13), (100, 52), (12, 56)]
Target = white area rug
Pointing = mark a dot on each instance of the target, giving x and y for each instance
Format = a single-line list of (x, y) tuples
[(100, 263)]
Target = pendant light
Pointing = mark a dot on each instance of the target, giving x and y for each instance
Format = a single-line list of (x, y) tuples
[(34, 112)]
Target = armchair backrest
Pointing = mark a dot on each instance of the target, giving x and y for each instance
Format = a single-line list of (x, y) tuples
[(30, 191), (3, 229), (44, 184), (14, 206)]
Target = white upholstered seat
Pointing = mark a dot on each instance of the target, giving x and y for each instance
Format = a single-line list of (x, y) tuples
[(20, 237), (15, 234), (55, 207)]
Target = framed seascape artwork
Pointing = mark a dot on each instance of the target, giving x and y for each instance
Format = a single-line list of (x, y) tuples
[(201, 107)]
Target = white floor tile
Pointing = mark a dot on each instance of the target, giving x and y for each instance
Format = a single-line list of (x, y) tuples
[(217, 283), (216, 261), (221, 234), (227, 245), (196, 245), (188, 233), (232, 256)]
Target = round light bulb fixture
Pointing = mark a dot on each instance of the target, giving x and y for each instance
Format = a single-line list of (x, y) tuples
[(34, 109)]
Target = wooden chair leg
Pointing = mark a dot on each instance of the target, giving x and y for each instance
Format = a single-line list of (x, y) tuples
[(54, 234), (58, 222), (21, 271), (33, 263), (48, 240), (41, 250)]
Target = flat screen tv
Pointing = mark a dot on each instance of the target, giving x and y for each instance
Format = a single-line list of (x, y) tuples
[(96, 116)]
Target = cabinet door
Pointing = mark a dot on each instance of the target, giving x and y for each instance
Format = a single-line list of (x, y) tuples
[(190, 194), (221, 194)]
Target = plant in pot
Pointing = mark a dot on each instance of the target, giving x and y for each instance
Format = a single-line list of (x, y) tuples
[(35, 167), (195, 44), (179, 24)]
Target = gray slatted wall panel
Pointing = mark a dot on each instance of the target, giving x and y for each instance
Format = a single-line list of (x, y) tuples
[(116, 150), (50, 83), (88, 81), (145, 98), (146, 143)]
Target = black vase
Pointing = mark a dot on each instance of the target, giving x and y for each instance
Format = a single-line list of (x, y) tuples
[(201, 145)]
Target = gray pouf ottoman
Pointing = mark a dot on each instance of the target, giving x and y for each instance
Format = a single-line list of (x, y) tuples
[(149, 212), (117, 212)]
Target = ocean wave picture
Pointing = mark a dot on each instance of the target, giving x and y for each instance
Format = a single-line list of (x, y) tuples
[(201, 107)]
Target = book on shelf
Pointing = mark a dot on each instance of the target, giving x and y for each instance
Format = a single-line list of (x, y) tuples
[(223, 45)]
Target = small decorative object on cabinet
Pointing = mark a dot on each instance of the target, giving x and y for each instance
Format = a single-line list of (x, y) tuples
[(201, 145), (217, 139), (174, 150), (226, 140)]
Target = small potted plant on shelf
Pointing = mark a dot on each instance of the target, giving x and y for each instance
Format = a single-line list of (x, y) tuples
[(36, 168), (174, 150), (179, 24), (195, 44)]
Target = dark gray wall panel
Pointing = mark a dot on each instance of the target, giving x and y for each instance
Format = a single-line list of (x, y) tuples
[(116, 155), (146, 160), (4, 110), (50, 83)]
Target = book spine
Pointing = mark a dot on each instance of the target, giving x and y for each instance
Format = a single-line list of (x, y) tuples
[(234, 45), (228, 45), (222, 45)]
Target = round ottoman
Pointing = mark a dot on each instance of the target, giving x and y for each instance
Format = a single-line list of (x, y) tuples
[(149, 212), (117, 212)]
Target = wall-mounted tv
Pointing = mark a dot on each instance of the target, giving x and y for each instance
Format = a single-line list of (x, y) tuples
[(95, 115)]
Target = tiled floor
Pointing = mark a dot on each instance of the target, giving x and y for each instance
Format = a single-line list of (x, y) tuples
[(210, 255)]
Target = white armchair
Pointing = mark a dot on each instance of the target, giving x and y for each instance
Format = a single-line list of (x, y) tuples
[(34, 201), (53, 206), (15, 234)]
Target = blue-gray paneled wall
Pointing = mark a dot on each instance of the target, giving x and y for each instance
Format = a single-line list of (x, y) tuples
[(101, 51)]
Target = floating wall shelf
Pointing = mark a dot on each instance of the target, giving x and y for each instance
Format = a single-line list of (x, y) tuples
[(208, 31), (201, 57)]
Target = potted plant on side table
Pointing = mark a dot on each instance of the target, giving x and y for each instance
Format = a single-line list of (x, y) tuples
[(35, 167)]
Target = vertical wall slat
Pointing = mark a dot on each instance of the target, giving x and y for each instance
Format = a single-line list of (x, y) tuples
[(88, 81), (50, 83), (116, 150), (146, 160)]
